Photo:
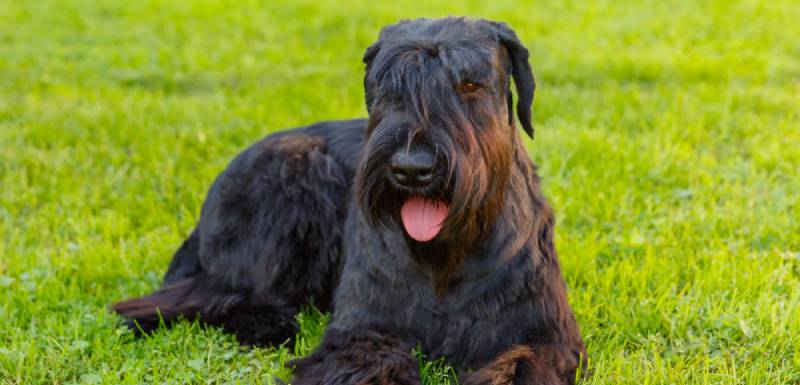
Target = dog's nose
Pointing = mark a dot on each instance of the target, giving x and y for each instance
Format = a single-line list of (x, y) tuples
[(412, 169)]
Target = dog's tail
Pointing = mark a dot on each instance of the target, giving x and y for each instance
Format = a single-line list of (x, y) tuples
[(187, 298), (255, 322), (147, 313)]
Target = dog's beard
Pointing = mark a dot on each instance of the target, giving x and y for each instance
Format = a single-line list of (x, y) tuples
[(455, 213), (420, 214), (451, 213)]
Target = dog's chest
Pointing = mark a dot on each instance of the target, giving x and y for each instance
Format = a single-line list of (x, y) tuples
[(470, 323)]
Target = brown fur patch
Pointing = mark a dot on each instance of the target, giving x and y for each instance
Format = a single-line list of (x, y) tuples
[(523, 365)]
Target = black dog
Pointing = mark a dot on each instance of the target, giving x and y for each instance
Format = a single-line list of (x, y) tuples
[(423, 225)]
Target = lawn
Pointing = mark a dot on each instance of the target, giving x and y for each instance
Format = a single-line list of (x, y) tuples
[(668, 140)]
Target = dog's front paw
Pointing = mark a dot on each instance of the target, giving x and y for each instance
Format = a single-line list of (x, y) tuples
[(357, 357), (522, 365)]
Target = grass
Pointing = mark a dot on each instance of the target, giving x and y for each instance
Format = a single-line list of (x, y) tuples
[(668, 136)]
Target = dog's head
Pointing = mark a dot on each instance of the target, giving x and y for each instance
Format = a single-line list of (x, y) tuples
[(441, 134)]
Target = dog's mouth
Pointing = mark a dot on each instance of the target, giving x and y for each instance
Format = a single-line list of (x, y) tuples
[(423, 217)]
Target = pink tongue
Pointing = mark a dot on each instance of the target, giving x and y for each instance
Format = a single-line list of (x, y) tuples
[(423, 217)]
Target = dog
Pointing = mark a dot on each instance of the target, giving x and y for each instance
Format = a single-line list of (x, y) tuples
[(423, 225)]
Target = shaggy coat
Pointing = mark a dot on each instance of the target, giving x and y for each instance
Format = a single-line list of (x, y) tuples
[(315, 213)]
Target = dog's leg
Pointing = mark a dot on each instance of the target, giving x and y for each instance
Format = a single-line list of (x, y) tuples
[(357, 357), (262, 325), (525, 365)]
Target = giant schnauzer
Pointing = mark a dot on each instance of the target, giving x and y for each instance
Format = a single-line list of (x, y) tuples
[(423, 225)]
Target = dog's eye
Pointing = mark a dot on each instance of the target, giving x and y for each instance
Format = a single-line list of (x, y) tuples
[(469, 88)]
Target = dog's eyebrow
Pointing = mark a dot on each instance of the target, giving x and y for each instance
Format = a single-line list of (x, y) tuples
[(468, 65), (477, 74)]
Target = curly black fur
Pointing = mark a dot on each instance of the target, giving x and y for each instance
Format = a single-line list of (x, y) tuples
[(313, 214)]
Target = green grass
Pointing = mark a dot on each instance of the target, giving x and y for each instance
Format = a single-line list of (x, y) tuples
[(668, 139)]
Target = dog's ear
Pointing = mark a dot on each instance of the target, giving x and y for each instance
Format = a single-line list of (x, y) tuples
[(523, 76), (369, 55), (372, 50)]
